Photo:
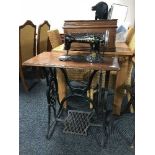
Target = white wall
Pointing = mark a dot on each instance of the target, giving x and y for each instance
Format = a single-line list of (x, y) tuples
[(57, 11)]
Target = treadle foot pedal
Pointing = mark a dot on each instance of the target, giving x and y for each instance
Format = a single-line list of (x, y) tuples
[(77, 122)]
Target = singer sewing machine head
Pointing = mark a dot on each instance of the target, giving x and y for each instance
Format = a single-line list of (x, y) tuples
[(94, 42)]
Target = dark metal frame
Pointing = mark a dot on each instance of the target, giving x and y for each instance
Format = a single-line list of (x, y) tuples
[(53, 99)]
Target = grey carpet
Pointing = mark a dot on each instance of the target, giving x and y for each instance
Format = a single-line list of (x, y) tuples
[(33, 129)]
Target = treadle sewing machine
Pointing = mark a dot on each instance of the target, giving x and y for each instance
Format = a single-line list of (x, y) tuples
[(51, 61), (95, 43), (93, 40)]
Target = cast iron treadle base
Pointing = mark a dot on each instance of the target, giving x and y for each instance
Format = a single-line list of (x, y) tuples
[(77, 122)]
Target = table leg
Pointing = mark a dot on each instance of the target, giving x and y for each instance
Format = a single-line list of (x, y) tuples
[(62, 88), (52, 99), (121, 78)]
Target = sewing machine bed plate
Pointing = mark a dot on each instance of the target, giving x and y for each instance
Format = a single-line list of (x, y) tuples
[(83, 58)]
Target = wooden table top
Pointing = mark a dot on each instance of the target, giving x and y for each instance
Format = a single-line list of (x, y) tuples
[(122, 49), (51, 59)]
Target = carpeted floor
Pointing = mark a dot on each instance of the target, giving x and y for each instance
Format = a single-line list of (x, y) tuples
[(33, 129)]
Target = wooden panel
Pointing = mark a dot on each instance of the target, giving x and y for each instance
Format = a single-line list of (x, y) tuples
[(27, 40), (90, 23), (42, 37)]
